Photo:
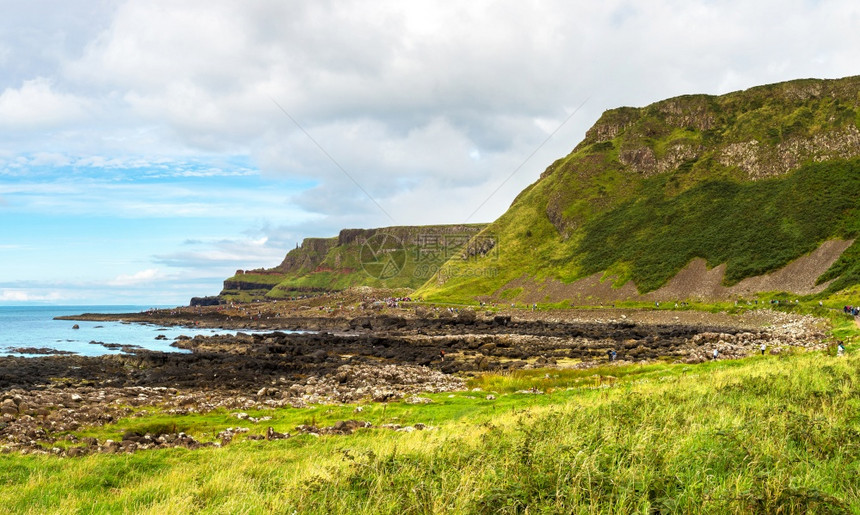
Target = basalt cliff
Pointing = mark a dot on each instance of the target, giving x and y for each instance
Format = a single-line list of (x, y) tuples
[(385, 257), (694, 197)]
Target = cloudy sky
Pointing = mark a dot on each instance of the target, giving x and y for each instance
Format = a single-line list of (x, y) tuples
[(150, 148)]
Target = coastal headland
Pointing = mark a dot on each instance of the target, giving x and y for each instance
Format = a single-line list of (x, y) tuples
[(349, 347)]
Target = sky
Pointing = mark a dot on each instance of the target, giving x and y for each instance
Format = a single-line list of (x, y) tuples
[(148, 149)]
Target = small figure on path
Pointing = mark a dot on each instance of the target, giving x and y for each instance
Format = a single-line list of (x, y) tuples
[(716, 353), (613, 355), (840, 349), (442, 355), (763, 347)]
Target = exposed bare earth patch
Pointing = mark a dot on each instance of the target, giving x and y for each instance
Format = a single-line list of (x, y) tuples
[(695, 281)]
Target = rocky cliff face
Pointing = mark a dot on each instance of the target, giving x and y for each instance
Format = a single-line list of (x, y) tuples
[(387, 257), (650, 189), (307, 256), (765, 131)]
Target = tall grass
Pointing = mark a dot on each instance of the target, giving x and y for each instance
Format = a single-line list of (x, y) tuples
[(770, 437), (773, 434)]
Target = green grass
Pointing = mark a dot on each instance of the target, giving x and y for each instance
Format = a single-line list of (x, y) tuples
[(592, 213), (417, 253), (765, 434), (846, 270), (261, 279), (753, 227)]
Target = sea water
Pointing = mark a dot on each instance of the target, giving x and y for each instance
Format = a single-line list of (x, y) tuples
[(34, 326)]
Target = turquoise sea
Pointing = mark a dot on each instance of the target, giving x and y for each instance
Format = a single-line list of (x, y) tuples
[(34, 326)]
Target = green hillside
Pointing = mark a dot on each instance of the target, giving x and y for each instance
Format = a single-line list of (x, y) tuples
[(387, 257), (753, 179)]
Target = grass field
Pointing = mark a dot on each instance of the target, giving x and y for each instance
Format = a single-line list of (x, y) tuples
[(766, 434)]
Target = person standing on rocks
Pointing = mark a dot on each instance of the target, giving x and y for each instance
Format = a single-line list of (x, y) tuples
[(763, 347), (716, 353)]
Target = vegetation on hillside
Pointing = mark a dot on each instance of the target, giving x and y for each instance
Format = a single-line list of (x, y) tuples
[(753, 227), (387, 257), (753, 179)]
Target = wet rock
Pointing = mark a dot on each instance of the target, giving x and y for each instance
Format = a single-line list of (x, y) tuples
[(271, 434), (39, 350)]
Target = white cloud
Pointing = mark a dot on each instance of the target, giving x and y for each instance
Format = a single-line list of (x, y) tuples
[(147, 276), (84, 196), (49, 159), (428, 105), (22, 295), (229, 253), (36, 105)]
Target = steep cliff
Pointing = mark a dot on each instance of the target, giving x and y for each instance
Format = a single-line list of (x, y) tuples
[(386, 257), (745, 184)]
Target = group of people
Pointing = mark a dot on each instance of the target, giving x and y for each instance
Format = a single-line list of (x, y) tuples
[(851, 310)]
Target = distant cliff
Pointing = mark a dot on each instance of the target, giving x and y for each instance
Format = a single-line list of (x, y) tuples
[(386, 257)]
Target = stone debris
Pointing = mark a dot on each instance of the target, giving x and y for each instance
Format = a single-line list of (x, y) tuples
[(376, 358), (254, 420), (343, 427), (417, 400), (788, 331), (352, 383)]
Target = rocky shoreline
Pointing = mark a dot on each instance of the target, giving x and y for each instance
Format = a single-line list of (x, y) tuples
[(370, 356)]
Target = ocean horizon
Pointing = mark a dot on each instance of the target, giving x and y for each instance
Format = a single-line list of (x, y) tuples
[(34, 327)]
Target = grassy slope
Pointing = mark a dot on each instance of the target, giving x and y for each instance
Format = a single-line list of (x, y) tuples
[(326, 264), (591, 213), (764, 434), (414, 260), (298, 262)]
